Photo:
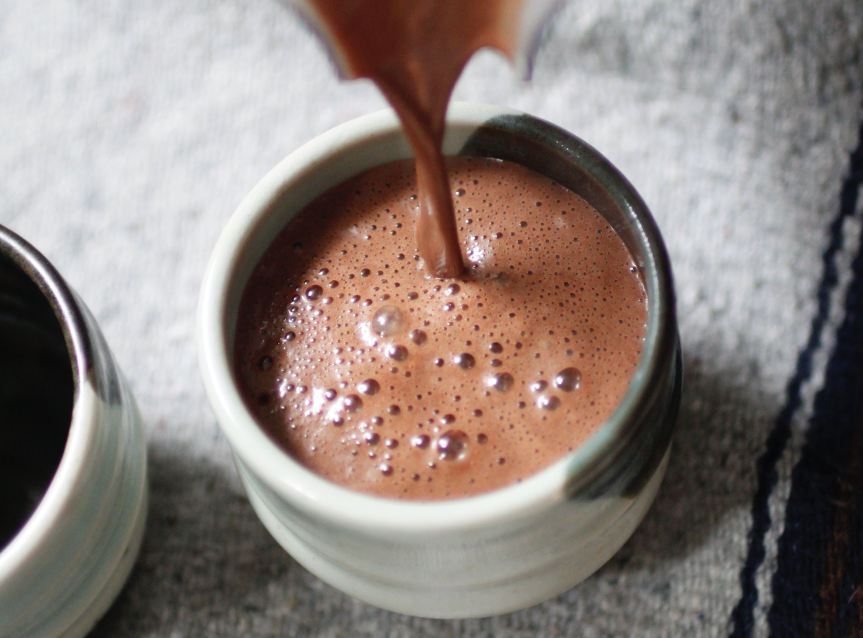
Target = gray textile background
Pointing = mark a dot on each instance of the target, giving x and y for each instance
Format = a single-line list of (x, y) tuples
[(130, 129)]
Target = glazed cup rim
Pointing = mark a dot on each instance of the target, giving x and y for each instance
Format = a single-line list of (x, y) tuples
[(53, 506), (317, 497)]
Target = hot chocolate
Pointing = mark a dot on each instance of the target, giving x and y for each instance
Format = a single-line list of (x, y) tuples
[(415, 51), (384, 380)]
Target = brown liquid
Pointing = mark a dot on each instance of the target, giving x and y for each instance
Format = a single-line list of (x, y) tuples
[(414, 51), (386, 381)]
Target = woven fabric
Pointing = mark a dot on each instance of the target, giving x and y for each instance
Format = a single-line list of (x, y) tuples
[(130, 130)]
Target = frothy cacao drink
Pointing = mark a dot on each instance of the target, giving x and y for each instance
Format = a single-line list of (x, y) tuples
[(385, 380)]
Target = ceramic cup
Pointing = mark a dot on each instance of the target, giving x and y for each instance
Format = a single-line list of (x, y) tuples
[(72, 446), (485, 554)]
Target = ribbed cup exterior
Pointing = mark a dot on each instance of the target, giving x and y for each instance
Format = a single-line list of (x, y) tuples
[(68, 562)]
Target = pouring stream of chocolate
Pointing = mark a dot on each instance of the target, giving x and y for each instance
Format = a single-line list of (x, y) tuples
[(414, 51)]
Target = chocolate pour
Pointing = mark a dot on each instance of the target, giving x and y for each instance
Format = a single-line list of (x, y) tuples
[(414, 51)]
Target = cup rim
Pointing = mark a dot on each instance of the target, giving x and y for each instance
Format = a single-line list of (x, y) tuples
[(314, 496), (24, 545)]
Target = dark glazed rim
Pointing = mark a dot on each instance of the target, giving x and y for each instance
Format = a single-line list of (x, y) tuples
[(575, 164), (63, 301)]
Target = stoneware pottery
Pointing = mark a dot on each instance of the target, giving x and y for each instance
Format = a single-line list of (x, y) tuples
[(73, 459), (475, 556)]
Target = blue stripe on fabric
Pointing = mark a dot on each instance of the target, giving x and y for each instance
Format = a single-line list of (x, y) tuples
[(818, 553), (742, 615)]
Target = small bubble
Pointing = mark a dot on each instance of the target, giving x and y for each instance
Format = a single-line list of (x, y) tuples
[(412, 295), (477, 413), (367, 303), (498, 235), (365, 272), (568, 379), (369, 387), (547, 402), (452, 289), (301, 389), (290, 335), (355, 299), (391, 443), (388, 320), (338, 421), (538, 386), (400, 257), (314, 292), (376, 420), (459, 192), (496, 363), (522, 224), (333, 284), (481, 438), (352, 403), (327, 301), (502, 381), (386, 469), (265, 363), (446, 419), (372, 438), (330, 394), (438, 362), (452, 445), (501, 461), (447, 307), (421, 441), (394, 410), (495, 347), (396, 352), (465, 361), (419, 337)]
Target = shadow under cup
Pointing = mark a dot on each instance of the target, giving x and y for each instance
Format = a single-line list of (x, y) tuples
[(486, 554)]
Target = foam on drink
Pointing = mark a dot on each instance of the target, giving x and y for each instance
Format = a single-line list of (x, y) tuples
[(402, 385)]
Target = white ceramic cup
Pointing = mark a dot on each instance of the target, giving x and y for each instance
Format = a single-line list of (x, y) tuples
[(62, 569), (475, 556)]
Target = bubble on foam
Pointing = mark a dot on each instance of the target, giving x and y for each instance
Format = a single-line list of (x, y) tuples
[(352, 403), (314, 292), (452, 289), (538, 386), (419, 337), (502, 381), (568, 379), (397, 352), (548, 402), (421, 441), (465, 360), (372, 438), (452, 445), (369, 387), (495, 347), (388, 320)]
